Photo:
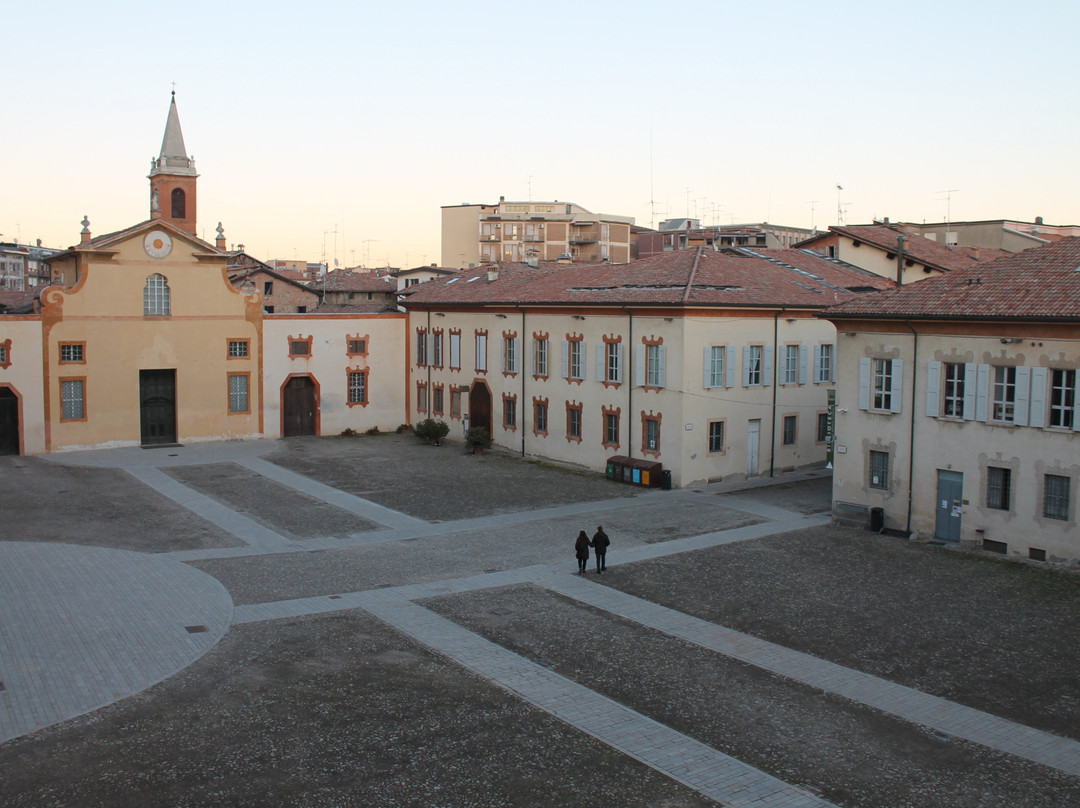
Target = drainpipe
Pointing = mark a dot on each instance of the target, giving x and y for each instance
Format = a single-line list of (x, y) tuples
[(630, 381), (911, 431), (775, 367), (900, 260), (522, 371)]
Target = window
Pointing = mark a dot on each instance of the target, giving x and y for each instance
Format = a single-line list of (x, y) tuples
[(998, 485), (790, 422), (715, 366), (752, 371), (421, 347), (357, 346), (455, 402), (954, 390), (574, 359), (481, 352), (716, 436), (421, 397), (540, 356), (437, 399), (5, 353), (1056, 496), (650, 370), (358, 387), (72, 352), (156, 297), (650, 434), (436, 349), (611, 428), (510, 354), (789, 370), (238, 348), (823, 366), (268, 288), (573, 421), (1004, 401), (509, 412), (879, 470), (238, 392), (72, 399), (455, 350), (1063, 398), (883, 385), (823, 427), (178, 203), (609, 359), (300, 346), (540, 416)]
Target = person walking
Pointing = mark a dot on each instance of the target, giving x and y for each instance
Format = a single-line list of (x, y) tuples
[(581, 549), (600, 542)]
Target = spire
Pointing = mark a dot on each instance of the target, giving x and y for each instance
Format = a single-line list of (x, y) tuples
[(174, 158)]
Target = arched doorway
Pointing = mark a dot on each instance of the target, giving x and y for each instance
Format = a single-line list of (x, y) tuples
[(480, 406), (299, 404), (9, 421)]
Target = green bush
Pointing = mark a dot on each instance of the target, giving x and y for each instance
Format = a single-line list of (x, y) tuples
[(478, 436), (431, 430)]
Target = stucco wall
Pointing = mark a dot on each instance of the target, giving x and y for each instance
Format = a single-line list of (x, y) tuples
[(22, 376)]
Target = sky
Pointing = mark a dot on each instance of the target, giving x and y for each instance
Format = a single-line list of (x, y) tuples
[(337, 131)]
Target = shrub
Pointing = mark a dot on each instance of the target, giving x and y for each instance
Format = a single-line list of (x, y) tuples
[(431, 430), (478, 436)]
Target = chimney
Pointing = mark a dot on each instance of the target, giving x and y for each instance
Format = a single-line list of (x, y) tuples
[(975, 253), (492, 274), (1038, 220), (85, 230)]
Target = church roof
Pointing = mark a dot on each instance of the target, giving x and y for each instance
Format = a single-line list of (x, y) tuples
[(174, 157)]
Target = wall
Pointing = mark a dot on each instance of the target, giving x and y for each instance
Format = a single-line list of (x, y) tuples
[(22, 376)]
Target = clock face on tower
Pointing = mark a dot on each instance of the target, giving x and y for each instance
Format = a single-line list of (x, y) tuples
[(157, 244)]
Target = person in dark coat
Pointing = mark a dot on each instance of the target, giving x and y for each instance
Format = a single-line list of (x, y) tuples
[(581, 548), (600, 542)]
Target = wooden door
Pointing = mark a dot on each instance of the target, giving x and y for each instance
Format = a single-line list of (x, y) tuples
[(9, 421), (480, 406), (298, 407), (157, 406)]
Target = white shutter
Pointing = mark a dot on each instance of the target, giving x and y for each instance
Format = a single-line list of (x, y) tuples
[(565, 357), (933, 388), (729, 367), (481, 352), (706, 379), (517, 355), (1038, 398), (970, 390), (618, 362), (455, 350), (535, 369), (982, 392), (601, 369), (1023, 396), (897, 383), (766, 371), (804, 355), (864, 383), (639, 367), (662, 370), (833, 359), (746, 366), (817, 363), (429, 348)]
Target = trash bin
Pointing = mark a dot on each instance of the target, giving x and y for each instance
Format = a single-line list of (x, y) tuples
[(665, 479), (650, 472), (615, 465), (877, 519)]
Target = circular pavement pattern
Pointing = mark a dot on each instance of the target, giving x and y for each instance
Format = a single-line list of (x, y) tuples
[(83, 627)]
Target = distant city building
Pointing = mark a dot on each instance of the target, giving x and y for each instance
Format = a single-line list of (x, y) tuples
[(417, 275), (23, 266), (996, 234), (544, 231), (346, 287), (680, 234)]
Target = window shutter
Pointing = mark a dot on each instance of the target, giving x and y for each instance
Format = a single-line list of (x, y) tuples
[(933, 388), (864, 383), (662, 370), (517, 355), (455, 350), (1076, 405), (619, 362), (639, 366), (535, 369), (1038, 398), (729, 366), (601, 361), (565, 359), (817, 363), (832, 364), (804, 356), (970, 390), (982, 392), (897, 385), (429, 348), (766, 371), (1023, 396), (481, 352), (746, 366), (706, 379)]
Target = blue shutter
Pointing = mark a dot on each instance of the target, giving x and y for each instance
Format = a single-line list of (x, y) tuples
[(1038, 398), (618, 362), (970, 390), (601, 362), (804, 354), (1023, 396), (897, 401), (864, 383), (662, 370), (834, 359), (982, 392), (746, 366), (817, 363), (933, 388), (729, 366), (766, 371), (706, 379), (565, 357)]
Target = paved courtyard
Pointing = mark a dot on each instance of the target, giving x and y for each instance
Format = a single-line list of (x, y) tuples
[(376, 622)]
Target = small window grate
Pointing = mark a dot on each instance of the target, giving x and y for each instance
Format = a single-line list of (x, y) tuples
[(1036, 554), (992, 546)]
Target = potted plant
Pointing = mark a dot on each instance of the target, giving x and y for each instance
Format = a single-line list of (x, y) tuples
[(432, 431), (478, 438)]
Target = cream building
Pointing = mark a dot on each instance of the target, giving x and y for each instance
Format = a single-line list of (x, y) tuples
[(959, 406), (709, 363), (537, 231)]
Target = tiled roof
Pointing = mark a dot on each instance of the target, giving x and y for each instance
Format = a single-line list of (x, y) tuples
[(693, 277), (1042, 283), (14, 302), (916, 248), (359, 308), (344, 280)]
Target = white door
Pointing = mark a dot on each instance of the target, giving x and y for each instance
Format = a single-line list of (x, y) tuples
[(753, 433)]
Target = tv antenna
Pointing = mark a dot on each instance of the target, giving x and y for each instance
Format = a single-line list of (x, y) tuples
[(948, 212)]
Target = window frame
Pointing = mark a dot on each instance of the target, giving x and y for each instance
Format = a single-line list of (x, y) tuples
[(881, 385), (1003, 387), (509, 412), (1057, 498), (610, 416), (953, 389), (1063, 399), (480, 341), (719, 425), (540, 416), (233, 402), (77, 351), (157, 296), (574, 418), (5, 353), (789, 430), (882, 466), (353, 349), (541, 356), (349, 387), (650, 433), (297, 340), (999, 490), (80, 381), (510, 353)]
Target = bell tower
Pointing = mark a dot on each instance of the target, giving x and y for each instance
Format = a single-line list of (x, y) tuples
[(172, 177)]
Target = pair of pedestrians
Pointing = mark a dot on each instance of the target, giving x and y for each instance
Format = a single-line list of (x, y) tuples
[(599, 542)]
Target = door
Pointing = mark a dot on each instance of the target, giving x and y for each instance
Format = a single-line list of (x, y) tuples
[(950, 505), (480, 406), (298, 407), (9, 421), (157, 406), (753, 441)]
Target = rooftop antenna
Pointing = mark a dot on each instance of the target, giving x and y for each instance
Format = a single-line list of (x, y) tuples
[(652, 198), (530, 187), (948, 212), (812, 203), (839, 206)]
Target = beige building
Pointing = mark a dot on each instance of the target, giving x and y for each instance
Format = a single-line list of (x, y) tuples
[(959, 406), (1010, 235), (523, 231), (709, 363)]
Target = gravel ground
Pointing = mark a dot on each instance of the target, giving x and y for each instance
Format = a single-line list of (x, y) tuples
[(996, 635), (850, 754), (278, 507), (335, 711), (50, 502), (440, 482)]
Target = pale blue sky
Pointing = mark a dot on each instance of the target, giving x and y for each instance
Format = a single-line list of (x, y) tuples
[(367, 117)]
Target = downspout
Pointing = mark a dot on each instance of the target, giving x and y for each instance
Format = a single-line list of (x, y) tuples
[(775, 367), (630, 382), (911, 443), (522, 370)]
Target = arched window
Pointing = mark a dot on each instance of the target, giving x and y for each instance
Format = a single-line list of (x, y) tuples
[(179, 203), (156, 296)]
